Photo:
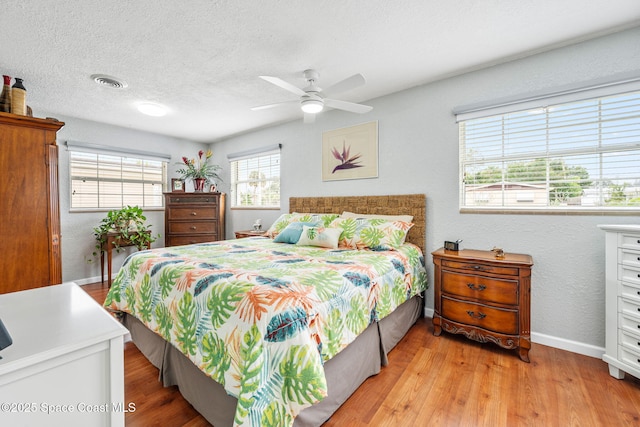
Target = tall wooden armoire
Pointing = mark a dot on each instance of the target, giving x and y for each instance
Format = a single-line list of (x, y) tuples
[(29, 203)]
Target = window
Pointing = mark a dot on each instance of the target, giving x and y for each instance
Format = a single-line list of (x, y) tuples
[(255, 178), (579, 155), (106, 179)]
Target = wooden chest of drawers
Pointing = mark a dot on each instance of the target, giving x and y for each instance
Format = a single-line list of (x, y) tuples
[(193, 218), (622, 299), (485, 298)]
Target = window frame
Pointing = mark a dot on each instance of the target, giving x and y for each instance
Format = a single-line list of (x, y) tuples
[(128, 159), (503, 108), (256, 155)]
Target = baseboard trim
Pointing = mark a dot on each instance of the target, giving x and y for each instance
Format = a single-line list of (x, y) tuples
[(569, 345), (555, 342)]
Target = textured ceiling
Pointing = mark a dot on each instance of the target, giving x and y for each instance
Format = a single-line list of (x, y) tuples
[(202, 58)]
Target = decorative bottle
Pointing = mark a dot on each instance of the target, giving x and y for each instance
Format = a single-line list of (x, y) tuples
[(5, 98), (18, 98)]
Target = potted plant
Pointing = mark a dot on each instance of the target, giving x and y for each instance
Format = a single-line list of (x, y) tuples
[(199, 170), (129, 223)]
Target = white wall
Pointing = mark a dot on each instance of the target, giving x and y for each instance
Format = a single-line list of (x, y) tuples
[(78, 242), (418, 153)]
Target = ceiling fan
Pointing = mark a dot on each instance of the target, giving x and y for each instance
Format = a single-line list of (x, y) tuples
[(313, 99)]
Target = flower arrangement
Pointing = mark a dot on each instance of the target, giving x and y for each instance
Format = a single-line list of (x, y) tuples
[(199, 168)]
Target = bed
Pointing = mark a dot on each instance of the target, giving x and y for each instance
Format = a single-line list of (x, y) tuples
[(261, 331)]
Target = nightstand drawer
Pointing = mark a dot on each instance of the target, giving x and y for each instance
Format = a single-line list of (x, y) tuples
[(479, 287), (629, 324), (629, 258), (192, 213), (630, 357), (482, 316), (628, 290), (628, 274), (630, 241), (631, 342), (192, 227), (629, 307), (480, 268)]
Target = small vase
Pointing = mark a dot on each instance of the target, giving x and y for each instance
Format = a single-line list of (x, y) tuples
[(198, 184), (5, 98), (19, 98)]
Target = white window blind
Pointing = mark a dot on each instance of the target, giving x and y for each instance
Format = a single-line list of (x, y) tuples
[(581, 155), (108, 180), (255, 178)]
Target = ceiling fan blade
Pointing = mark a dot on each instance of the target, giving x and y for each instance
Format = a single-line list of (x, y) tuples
[(284, 85), (277, 104), (346, 84), (309, 118), (347, 106)]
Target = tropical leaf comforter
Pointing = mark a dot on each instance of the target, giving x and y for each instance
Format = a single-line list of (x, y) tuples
[(261, 317)]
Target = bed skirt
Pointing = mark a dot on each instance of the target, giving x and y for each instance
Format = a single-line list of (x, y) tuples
[(345, 372)]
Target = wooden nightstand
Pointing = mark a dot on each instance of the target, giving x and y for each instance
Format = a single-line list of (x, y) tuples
[(485, 298), (248, 233)]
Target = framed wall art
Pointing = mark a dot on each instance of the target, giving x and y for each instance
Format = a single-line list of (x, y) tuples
[(350, 153), (177, 185)]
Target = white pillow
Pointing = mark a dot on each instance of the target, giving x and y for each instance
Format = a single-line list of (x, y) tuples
[(319, 236), (403, 218)]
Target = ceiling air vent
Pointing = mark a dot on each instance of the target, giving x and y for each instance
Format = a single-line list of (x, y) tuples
[(110, 81)]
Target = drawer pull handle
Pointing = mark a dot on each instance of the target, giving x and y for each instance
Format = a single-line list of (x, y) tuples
[(194, 213), (482, 315), (476, 288), (477, 267), (193, 227)]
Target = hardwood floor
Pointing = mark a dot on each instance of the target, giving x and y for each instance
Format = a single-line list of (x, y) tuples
[(443, 381)]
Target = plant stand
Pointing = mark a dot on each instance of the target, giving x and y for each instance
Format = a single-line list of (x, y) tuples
[(113, 240)]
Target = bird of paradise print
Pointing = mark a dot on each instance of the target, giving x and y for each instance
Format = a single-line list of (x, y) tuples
[(346, 162)]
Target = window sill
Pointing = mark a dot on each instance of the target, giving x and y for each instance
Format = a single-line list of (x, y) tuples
[(553, 211)]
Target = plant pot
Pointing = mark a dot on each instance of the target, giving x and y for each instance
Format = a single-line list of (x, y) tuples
[(198, 184)]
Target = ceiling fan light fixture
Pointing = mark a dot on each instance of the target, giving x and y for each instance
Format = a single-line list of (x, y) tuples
[(311, 106)]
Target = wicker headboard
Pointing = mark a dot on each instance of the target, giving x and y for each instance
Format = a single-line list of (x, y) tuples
[(405, 204)]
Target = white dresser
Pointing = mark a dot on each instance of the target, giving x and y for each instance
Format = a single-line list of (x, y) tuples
[(66, 364), (622, 247)]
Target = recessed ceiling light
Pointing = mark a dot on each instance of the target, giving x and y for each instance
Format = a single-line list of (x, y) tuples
[(110, 81), (152, 109)]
